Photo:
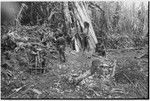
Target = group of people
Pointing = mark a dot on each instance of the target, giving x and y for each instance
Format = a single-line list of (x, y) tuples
[(59, 40)]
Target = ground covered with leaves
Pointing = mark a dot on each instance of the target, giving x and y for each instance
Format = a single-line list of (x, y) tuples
[(130, 79), (124, 35)]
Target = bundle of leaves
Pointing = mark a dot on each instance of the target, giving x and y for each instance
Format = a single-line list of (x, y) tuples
[(139, 42), (127, 76), (128, 63), (128, 72), (116, 42)]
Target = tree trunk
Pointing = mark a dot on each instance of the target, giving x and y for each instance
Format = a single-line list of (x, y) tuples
[(81, 13)]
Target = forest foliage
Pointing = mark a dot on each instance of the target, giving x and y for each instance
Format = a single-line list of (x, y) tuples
[(122, 29), (112, 21)]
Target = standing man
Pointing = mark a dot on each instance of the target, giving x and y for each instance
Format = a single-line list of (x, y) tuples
[(60, 45), (84, 37), (100, 49)]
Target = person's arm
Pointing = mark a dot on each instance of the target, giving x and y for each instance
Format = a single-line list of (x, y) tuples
[(53, 39), (88, 36), (65, 42)]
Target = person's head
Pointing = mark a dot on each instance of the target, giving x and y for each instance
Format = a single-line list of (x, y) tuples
[(96, 63), (45, 21), (60, 35), (86, 24)]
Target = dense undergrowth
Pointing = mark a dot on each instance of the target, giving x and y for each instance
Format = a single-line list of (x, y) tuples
[(130, 79)]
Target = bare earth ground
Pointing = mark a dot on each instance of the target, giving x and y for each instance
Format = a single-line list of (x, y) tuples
[(52, 83)]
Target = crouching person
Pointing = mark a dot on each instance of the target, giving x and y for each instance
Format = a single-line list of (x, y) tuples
[(95, 67), (85, 37), (61, 44), (100, 50)]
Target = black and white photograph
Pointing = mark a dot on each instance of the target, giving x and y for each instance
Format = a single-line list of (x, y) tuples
[(75, 50)]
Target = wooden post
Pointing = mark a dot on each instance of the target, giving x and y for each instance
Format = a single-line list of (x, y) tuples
[(114, 68), (83, 76), (18, 16), (36, 62), (39, 60)]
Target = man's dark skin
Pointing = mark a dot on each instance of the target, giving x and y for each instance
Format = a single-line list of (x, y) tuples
[(100, 49), (7, 44), (60, 45), (84, 36), (32, 53)]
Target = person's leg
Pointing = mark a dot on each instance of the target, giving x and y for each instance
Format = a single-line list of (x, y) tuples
[(83, 44), (43, 62), (63, 55), (87, 45), (60, 55)]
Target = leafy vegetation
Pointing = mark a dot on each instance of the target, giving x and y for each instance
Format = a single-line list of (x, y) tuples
[(122, 30)]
